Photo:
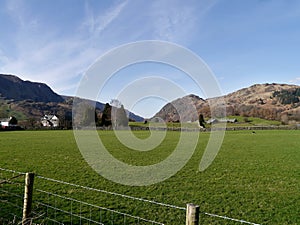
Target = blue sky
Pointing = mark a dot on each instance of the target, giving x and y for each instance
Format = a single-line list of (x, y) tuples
[(243, 42)]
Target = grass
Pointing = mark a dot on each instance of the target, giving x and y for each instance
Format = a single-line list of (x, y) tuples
[(253, 121), (255, 177)]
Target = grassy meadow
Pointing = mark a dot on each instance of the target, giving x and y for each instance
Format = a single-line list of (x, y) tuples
[(255, 177)]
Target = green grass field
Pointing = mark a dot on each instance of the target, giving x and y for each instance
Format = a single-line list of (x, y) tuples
[(255, 177)]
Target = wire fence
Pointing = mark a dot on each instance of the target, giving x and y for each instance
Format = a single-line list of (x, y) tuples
[(11, 196), (225, 219), (79, 204), (60, 202)]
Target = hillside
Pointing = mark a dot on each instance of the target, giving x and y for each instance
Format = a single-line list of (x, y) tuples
[(29, 101), (12, 87), (279, 102), (182, 106)]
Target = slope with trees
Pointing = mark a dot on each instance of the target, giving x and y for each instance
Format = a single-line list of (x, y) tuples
[(279, 102)]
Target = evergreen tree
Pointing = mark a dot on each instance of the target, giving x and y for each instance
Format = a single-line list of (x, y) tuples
[(106, 116), (286, 97), (201, 121), (297, 92)]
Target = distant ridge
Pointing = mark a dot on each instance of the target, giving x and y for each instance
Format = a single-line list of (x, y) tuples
[(12, 87), (31, 100), (279, 102)]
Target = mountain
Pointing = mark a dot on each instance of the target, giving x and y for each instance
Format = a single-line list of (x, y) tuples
[(29, 101), (268, 101), (12, 87), (182, 106)]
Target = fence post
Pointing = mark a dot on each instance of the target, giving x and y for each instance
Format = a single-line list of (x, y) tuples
[(29, 178), (192, 214)]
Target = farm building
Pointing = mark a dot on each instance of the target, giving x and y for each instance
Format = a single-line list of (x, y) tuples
[(8, 122), (221, 120), (50, 121)]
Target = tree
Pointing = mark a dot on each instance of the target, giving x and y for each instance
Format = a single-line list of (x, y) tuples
[(3, 113), (114, 114), (286, 97), (106, 116), (118, 114), (115, 103), (31, 122), (297, 92), (13, 120), (97, 117), (122, 119), (89, 116), (201, 121)]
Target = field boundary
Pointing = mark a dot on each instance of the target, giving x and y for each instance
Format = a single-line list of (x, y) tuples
[(233, 128), (11, 195), (47, 206)]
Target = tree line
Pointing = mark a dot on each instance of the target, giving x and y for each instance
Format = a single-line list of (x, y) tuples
[(113, 115), (286, 97)]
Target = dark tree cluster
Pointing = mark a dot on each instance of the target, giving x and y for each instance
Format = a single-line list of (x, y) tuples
[(106, 116), (201, 120), (89, 116), (286, 97), (114, 115)]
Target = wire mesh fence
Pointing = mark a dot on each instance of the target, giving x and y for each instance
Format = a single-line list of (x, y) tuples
[(79, 212), (11, 196), (60, 202), (67, 203), (210, 218)]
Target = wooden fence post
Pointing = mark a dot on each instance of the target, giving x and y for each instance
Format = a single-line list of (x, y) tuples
[(192, 214), (29, 178)]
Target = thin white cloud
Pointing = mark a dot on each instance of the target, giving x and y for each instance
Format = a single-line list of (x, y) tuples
[(97, 23), (176, 21), (171, 22), (103, 21), (58, 60), (295, 81), (55, 64)]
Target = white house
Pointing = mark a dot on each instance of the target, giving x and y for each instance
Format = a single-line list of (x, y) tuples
[(50, 121), (8, 122)]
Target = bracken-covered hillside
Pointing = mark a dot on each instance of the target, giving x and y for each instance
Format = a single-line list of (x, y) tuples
[(268, 101)]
